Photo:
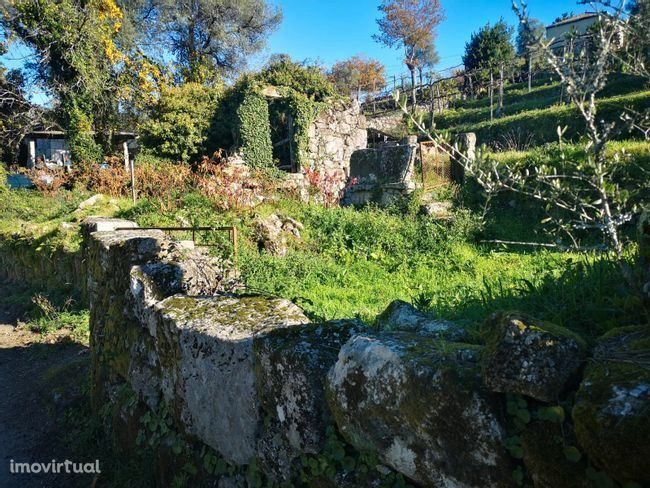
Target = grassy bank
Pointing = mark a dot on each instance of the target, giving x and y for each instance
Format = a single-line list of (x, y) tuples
[(532, 118), (355, 262)]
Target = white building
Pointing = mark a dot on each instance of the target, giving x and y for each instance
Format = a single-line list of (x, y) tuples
[(575, 27)]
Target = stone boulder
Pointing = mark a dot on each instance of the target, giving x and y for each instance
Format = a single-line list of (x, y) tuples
[(612, 407), (438, 210), (544, 456), (292, 366), (203, 361), (273, 233), (402, 316), (419, 404), (530, 357)]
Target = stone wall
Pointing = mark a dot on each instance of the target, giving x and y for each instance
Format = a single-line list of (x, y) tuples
[(336, 133), (382, 173), (26, 261), (388, 122), (253, 380)]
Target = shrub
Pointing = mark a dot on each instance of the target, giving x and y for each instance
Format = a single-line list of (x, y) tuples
[(177, 125), (3, 179), (83, 148), (307, 80)]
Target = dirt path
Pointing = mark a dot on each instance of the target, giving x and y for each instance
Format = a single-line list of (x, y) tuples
[(38, 379)]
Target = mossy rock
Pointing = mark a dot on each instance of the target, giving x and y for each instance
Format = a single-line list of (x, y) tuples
[(291, 365), (644, 235), (612, 409), (419, 405), (545, 459), (402, 316), (530, 357)]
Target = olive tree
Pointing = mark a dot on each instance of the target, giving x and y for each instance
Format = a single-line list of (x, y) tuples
[(584, 193)]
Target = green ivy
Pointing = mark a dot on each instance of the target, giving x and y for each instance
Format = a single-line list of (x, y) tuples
[(255, 130), (304, 112), (83, 147)]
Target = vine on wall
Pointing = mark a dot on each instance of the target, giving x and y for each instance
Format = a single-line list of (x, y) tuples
[(255, 130)]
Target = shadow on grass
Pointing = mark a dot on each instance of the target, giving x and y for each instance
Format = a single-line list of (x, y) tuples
[(589, 297)]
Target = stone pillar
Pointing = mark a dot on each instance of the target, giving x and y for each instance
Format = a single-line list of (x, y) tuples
[(465, 143)]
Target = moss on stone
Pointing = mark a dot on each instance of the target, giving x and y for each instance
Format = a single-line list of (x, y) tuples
[(493, 328), (612, 409), (543, 445)]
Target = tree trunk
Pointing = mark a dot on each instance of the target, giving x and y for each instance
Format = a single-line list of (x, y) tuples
[(432, 106), (530, 72), (413, 87)]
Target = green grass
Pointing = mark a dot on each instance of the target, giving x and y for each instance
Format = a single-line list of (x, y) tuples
[(535, 116), (355, 262)]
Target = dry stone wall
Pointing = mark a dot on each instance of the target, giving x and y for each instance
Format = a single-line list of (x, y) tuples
[(336, 133), (255, 381)]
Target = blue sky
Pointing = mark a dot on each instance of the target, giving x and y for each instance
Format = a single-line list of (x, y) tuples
[(332, 30)]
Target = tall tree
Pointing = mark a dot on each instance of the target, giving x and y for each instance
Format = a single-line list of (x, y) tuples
[(528, 35), (208, 37), (490, 49), (427, 58), (77, 59), (357, 74), (409, 25)]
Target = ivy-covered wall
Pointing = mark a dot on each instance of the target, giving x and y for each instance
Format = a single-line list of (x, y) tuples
[(255, 130), (324, 132)]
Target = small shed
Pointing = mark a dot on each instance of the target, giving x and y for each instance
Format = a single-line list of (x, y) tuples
[(53, 149)]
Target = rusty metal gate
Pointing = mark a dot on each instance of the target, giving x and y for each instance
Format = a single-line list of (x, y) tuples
[(435, 165)]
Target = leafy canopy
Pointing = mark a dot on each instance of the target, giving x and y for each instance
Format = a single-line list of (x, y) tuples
[(207, 36), (490, 47), (410, 25), (358, 73), (528, 34), (306, 79), (178, 124)]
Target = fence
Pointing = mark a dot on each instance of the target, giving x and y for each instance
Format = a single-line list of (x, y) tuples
[(437, 91), (192, 232)]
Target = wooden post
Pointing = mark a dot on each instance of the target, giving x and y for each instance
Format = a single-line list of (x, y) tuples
[(500, 109), (234, 242), (125, 149), (432, 107), (491, 96), (132, 180), (374, 96), (394, 87)]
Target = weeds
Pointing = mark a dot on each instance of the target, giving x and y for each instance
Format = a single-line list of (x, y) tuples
[(46, 318)]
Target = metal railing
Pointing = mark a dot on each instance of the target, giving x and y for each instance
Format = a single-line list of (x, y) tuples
[(232, 233)]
